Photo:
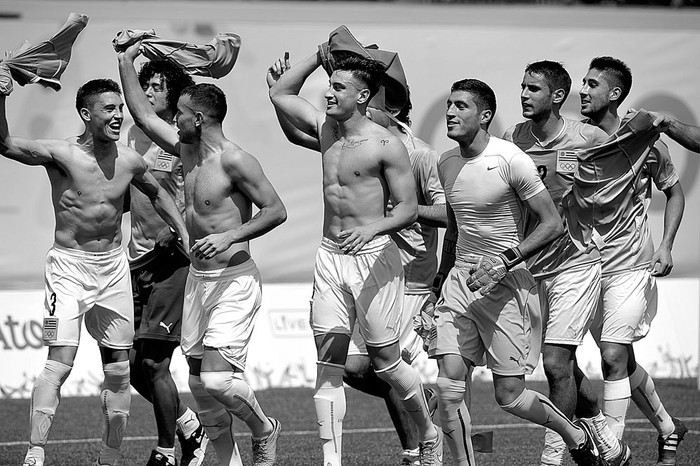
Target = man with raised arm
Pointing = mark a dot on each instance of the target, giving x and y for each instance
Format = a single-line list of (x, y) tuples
[(159, 266), (87, 271), (358, 278), (223, 291)]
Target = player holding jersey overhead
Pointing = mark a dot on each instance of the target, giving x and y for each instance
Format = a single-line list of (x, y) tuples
[(223, 292), (608, 205), (358, 277), (159, 265), (568, 280), (489, 301)]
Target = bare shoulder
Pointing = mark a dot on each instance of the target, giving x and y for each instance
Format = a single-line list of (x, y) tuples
[(388, 144), (235, 160)]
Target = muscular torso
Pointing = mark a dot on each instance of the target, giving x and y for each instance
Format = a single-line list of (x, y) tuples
[(88, 195), (213, 204), (355, 192)]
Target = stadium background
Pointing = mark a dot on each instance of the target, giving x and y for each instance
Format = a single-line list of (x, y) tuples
[(438, 44)]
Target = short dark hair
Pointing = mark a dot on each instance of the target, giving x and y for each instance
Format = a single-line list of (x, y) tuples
[(208, 99), (617, 71), (175, 79), (553, 73), (371, 72), (95, 87), (483, 95)]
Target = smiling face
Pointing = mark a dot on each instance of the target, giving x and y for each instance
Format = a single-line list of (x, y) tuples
[(463, 117), (104, 115), (536, 98), (596, 93), (344, 94)]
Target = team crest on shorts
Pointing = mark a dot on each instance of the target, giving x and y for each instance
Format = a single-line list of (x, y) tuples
[(50, 328), (164, 161), (566, 161)]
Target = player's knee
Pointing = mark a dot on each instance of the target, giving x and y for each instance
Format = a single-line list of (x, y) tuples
[(155, 369), (357, 368), (614, 360), (450, 391), (217, 383), (506, 392), (116, 401)]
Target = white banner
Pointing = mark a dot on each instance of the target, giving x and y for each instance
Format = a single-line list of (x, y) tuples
[(282, 352)]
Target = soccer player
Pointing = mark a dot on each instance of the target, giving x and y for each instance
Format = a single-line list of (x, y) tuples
[(568, 280), (87, 272), (223, 291), (159, 265), (488, 300), (358, 278), (615, 200), (418, 248)]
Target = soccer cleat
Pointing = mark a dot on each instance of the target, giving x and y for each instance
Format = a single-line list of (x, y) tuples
[(194, 447), (265, 449), (586, 454), (430, 452), (33, 462), (623, 459), (410, 458), (159, 459), (34, 457), (669, 445)]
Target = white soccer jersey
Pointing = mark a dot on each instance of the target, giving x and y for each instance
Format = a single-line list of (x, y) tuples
[(486, 194)]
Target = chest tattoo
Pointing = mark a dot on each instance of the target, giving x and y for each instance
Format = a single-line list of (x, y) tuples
[(384, 142), (352, 143)]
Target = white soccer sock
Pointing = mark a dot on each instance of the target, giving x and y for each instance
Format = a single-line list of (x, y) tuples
[(329, 400), (606, 442), (554, 449), (647, 400), (238, 398), (537, 408), (217, 423), (616, 399), (455, 420), (405, 380), (46, 397), (188, 423), (116, 401)]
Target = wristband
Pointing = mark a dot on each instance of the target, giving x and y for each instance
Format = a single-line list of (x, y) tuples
[(437, 284), (511, 257)]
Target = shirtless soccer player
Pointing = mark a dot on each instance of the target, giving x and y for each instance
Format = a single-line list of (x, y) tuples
[(489, 303), (159, 265), (87, 272), (223, 291), (568, 280), (358, 278)]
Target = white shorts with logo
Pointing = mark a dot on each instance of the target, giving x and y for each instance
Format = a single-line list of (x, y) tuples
[(410, 342), (95, 286), (364, 289), (220, 310), (626, 308), (568, 301), (505, 325)]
